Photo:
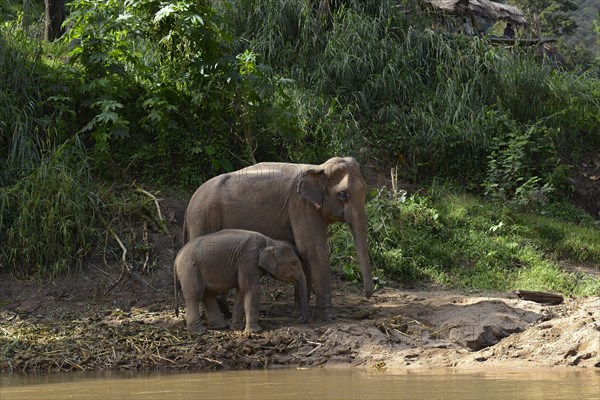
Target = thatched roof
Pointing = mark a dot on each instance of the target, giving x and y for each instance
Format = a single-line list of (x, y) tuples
[(483, 8)]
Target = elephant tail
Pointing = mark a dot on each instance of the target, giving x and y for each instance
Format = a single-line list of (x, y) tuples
[(175, 288), (184, 234), (184, 240)]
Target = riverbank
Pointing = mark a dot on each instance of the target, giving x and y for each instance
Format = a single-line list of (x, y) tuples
[(114, 321), (121, 317)]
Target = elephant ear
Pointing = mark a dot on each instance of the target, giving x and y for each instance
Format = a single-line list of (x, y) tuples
[(267, 260), (310, 186)]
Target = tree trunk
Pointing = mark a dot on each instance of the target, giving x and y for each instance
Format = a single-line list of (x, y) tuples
[(55, 16)]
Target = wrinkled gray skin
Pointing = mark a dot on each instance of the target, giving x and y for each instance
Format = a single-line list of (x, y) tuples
[(232, 258), (291, 202)]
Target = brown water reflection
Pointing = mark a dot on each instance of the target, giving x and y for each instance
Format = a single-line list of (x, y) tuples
[(290, 384)]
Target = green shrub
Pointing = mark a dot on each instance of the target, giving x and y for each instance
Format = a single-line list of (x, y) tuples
[(520, 166), (457, 241), (160, 87)]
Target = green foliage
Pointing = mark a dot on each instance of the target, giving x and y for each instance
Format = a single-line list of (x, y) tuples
[(159, 86), (261, 103), (455, 240), (174, 93), (520, 166), (554, 15), (433, 103), (132, 93), (585, 35)]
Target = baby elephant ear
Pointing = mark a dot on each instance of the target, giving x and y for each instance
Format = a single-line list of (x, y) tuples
[(267, 260)]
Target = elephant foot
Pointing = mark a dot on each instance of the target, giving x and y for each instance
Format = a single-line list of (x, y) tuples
[(325, 314), (220, 327), (196, 327), (216, 320), (238, 326), (253, 328)]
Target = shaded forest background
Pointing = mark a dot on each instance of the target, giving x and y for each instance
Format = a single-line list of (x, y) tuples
[(143, 97), (585, 15)]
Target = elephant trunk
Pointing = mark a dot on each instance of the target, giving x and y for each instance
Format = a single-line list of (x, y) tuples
[(303, 293), (358, 224)]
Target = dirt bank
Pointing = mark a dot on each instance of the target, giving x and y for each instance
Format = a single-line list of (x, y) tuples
[(89, 323)]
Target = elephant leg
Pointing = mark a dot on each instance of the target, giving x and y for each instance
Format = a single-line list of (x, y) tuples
[(251, 306), (192, 314), (193, 292), (238, 311), (318, 275), (323, 309), (215, 318)]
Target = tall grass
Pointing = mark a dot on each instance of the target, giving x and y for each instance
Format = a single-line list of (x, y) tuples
[(21, 93), (49, 219), (43, 188), (432, 101), (59, 216)]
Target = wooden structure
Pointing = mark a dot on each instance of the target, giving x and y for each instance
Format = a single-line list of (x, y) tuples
[(490, 11), (483, 8)]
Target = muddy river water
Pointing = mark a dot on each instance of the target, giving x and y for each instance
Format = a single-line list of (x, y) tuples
[(315, 383)]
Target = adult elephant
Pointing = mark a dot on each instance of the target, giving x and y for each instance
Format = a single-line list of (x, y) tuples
[(291, 202)]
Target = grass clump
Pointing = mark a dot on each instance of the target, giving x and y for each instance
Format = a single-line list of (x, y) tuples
[(47, 219)]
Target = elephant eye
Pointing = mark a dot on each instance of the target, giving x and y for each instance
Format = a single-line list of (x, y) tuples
[(343, 196)]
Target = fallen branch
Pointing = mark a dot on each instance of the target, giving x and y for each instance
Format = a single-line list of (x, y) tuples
[(210, 360), (123, 248), (403, 334), (145, 238), (313, 350), (126, 268), (148, 284), (540, 297), (434, 334), (116, 283), (156, 203)]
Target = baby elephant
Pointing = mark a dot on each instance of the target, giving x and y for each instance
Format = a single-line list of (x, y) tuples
[(233, 258)]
